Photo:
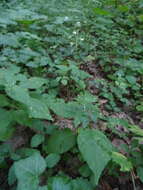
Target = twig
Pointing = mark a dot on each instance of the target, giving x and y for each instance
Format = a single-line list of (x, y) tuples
[(134, 185)]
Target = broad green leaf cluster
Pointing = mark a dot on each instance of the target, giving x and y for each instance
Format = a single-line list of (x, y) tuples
[(71, 82)]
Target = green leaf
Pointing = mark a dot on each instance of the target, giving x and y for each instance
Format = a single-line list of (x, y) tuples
[(96, 150), (122, 161), (9, 39), (43, 126), (103, 12), (140, 107), (18, 93), (37, 109), (26, 152), (140, 17), (28, 171), (85, 171), (29, 186), (7, 77), (81, 113), (33, 165), (6, 128), (136, 130), (131, 79), (37, 140), (140, 173), (22, 118), (64, 82), (42, 188), (11, 175), (52, 159), (60, 141), (123, 8), (33, 83), (59, 183), (65, 183), (3, 100), (81, 184)]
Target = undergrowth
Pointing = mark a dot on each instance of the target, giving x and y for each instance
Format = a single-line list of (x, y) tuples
[(71, 103)]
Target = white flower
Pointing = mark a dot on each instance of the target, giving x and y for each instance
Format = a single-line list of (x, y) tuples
[(78, 24), (74, 32), (82, 39), (66, 18)]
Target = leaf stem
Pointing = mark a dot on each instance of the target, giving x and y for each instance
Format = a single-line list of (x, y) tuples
[(133, 181)]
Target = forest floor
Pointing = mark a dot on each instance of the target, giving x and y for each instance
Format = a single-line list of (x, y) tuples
[(71, 95)]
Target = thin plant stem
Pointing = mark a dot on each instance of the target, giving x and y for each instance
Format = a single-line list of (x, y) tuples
[(133, 180)]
